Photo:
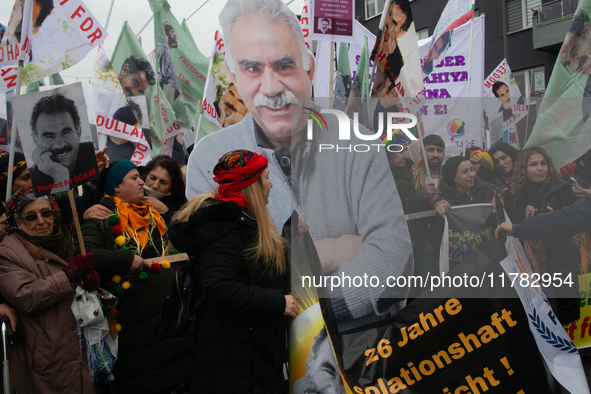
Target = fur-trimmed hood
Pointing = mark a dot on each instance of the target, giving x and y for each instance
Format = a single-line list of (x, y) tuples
[(212, 220)]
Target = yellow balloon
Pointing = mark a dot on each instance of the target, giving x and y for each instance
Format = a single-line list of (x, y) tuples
[(126, 285)]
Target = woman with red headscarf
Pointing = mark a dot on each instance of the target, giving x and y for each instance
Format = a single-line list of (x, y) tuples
[(242, 266)]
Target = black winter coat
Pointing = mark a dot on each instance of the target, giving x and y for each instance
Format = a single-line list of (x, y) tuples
[(561, 255), (149, 361), (240, 343)]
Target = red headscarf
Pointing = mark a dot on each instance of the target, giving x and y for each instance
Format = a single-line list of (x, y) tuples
[(235, 171)]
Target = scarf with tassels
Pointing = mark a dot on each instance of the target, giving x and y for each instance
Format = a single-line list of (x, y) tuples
[(134, 220)]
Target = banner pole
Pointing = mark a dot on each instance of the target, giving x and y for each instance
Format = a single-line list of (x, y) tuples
[(19, 79), (531, 80), (109, 14), (76, 222), (468, 92), (198, 125), (331, 76), (385, 13)]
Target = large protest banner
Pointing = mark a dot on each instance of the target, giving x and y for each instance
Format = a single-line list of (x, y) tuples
[(16, 41), (579, 331), (222, 103), (59, 41), (442, 108), (57, 146), (562, 127), (455, 14), (120, 121), (306, 24), (398, 71), (130, 65), (445, 341), (500, 86), (181, 66)]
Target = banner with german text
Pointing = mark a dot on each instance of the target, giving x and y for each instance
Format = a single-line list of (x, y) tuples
[(63, 34), (15, 44)]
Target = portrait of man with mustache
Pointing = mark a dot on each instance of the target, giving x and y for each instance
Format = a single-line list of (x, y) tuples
[(136, 76), (58, 155), (231, 108)]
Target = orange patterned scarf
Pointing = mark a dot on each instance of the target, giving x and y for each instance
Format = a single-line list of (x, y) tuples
[(135, 219)]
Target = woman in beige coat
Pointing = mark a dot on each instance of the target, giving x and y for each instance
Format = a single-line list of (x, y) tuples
[(38, 277)]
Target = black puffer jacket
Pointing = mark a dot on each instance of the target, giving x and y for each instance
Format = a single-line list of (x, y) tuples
[(240, 344)]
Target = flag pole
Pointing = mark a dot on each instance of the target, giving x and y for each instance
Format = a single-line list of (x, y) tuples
[(531, 80), (19, 79), (209, 68), (331, 76), (468, 92), (109, 14)]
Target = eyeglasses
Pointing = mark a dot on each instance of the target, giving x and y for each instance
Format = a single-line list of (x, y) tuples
[(33, 216)]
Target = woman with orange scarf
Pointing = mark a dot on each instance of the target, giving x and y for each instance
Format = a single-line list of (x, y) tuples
[(149, 361)]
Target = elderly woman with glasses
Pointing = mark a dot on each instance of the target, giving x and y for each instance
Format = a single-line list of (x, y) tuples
[(38, 276)]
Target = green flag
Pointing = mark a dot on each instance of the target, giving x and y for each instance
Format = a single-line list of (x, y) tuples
[(562, 127), (137, 77), (343, 66), (56, 79)]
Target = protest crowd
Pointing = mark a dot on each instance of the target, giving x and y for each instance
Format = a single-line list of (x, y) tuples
[(132, 261)]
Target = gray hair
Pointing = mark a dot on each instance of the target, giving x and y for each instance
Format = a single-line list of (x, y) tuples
[(26, 200), (272, 9)]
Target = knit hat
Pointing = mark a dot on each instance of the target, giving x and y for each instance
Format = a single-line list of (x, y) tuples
[(116, 174), (235, 171), (484, 158), (18, 166), (450, 168)]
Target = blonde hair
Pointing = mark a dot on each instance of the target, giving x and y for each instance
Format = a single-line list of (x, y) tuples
[(270, 247)]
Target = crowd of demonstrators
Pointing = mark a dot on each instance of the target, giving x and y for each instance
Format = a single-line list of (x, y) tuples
[(242, 265)]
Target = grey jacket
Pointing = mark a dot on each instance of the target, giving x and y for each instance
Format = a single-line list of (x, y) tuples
[(337, 193)]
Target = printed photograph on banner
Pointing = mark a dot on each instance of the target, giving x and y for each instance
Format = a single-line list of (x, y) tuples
[(312, 364), (332, 20), (168, 79), (124, 131), (63, 33), (501, 84), (173, 143), (56, 138), (398, 73), (222, 103), (442, 106), (9, 120), (15, 44)]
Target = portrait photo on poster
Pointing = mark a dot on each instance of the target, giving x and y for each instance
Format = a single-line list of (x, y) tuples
[(56, 138)]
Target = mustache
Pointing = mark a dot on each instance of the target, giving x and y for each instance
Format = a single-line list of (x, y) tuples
[(278, 101), (230, 106), (128, 91), (65, 149)]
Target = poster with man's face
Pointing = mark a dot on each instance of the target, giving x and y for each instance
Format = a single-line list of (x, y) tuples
[(56, 138)]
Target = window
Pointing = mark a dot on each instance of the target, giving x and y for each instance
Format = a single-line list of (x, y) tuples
[(373, 8), (519, 13), (423, 33), (534, 79)]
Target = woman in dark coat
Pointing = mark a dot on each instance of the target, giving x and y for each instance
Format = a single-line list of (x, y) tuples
[(149, 361), (240, 342), (538, 185), (459, 186), (164, 186), (504, 156)]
